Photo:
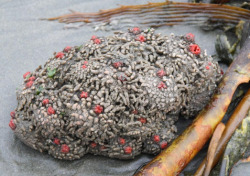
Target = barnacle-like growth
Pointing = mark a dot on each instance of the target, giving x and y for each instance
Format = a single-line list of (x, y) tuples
[(123, 102)]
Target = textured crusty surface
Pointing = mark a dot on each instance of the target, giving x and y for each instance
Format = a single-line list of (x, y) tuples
[(135, 86)]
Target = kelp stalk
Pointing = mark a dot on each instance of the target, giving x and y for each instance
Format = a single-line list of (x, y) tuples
[(234, 121), (174, 159)]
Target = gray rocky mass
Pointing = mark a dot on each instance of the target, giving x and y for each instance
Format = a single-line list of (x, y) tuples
[(116, 96)]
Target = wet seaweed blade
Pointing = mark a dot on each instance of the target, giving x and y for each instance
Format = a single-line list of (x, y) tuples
[(164, 13)]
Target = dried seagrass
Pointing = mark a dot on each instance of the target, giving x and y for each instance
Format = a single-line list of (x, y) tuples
[(116, 96)]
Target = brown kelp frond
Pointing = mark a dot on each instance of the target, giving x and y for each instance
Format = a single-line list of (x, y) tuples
[(163, 13)]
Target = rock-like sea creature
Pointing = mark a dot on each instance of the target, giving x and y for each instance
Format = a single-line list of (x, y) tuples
[(116, 96)]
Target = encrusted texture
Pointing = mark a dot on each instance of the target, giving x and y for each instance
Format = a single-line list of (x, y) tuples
[(116, 96)]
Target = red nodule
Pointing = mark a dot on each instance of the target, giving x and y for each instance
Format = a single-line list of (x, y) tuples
[(207, 67), (221, 72), (135, 111), (67, 49), (195, 49), (190, 37), (93, 37), (65, 148), (128, 150), (164, 144), (84, 66), (32, 78), (102, 147), (136, 30), (161, 85), (161, 73), (117, 64), (122, 78), (85, 62), (143, 120), (141, 38), (45, 101), (57, 141), (156, 138), (51, 110), (122, 141), (93, 144), (209, 63), (12, 125), (12, 114), (60, 55), (98, 109), (97, 41), (84, 94), (29, 84), (25, 75)]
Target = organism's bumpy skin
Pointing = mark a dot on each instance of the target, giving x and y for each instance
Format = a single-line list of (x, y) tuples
[(116, 96)]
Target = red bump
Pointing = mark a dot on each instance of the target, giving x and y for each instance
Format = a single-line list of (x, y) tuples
[(56, 141), (84, 66), (98, 109), (32, 78), (221, 72), (51, 110), (164, 144), (207, 67), (84, 94), (161, 85), (45, 101), (93, 144), (141, 38), (60, 55), (122, 78), (209, 63), (143, 120), (29, 84), (67, 49), (128, 150), (136, 30), (161, 73), (97, 41), (122, 141), (12, 125), (156, 138), (93, 37), (65, 148), (190, 37), (102, 147), (135, 111), (195, 49), (85, 62), (117, 64), (12, 114), (25, 75)]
